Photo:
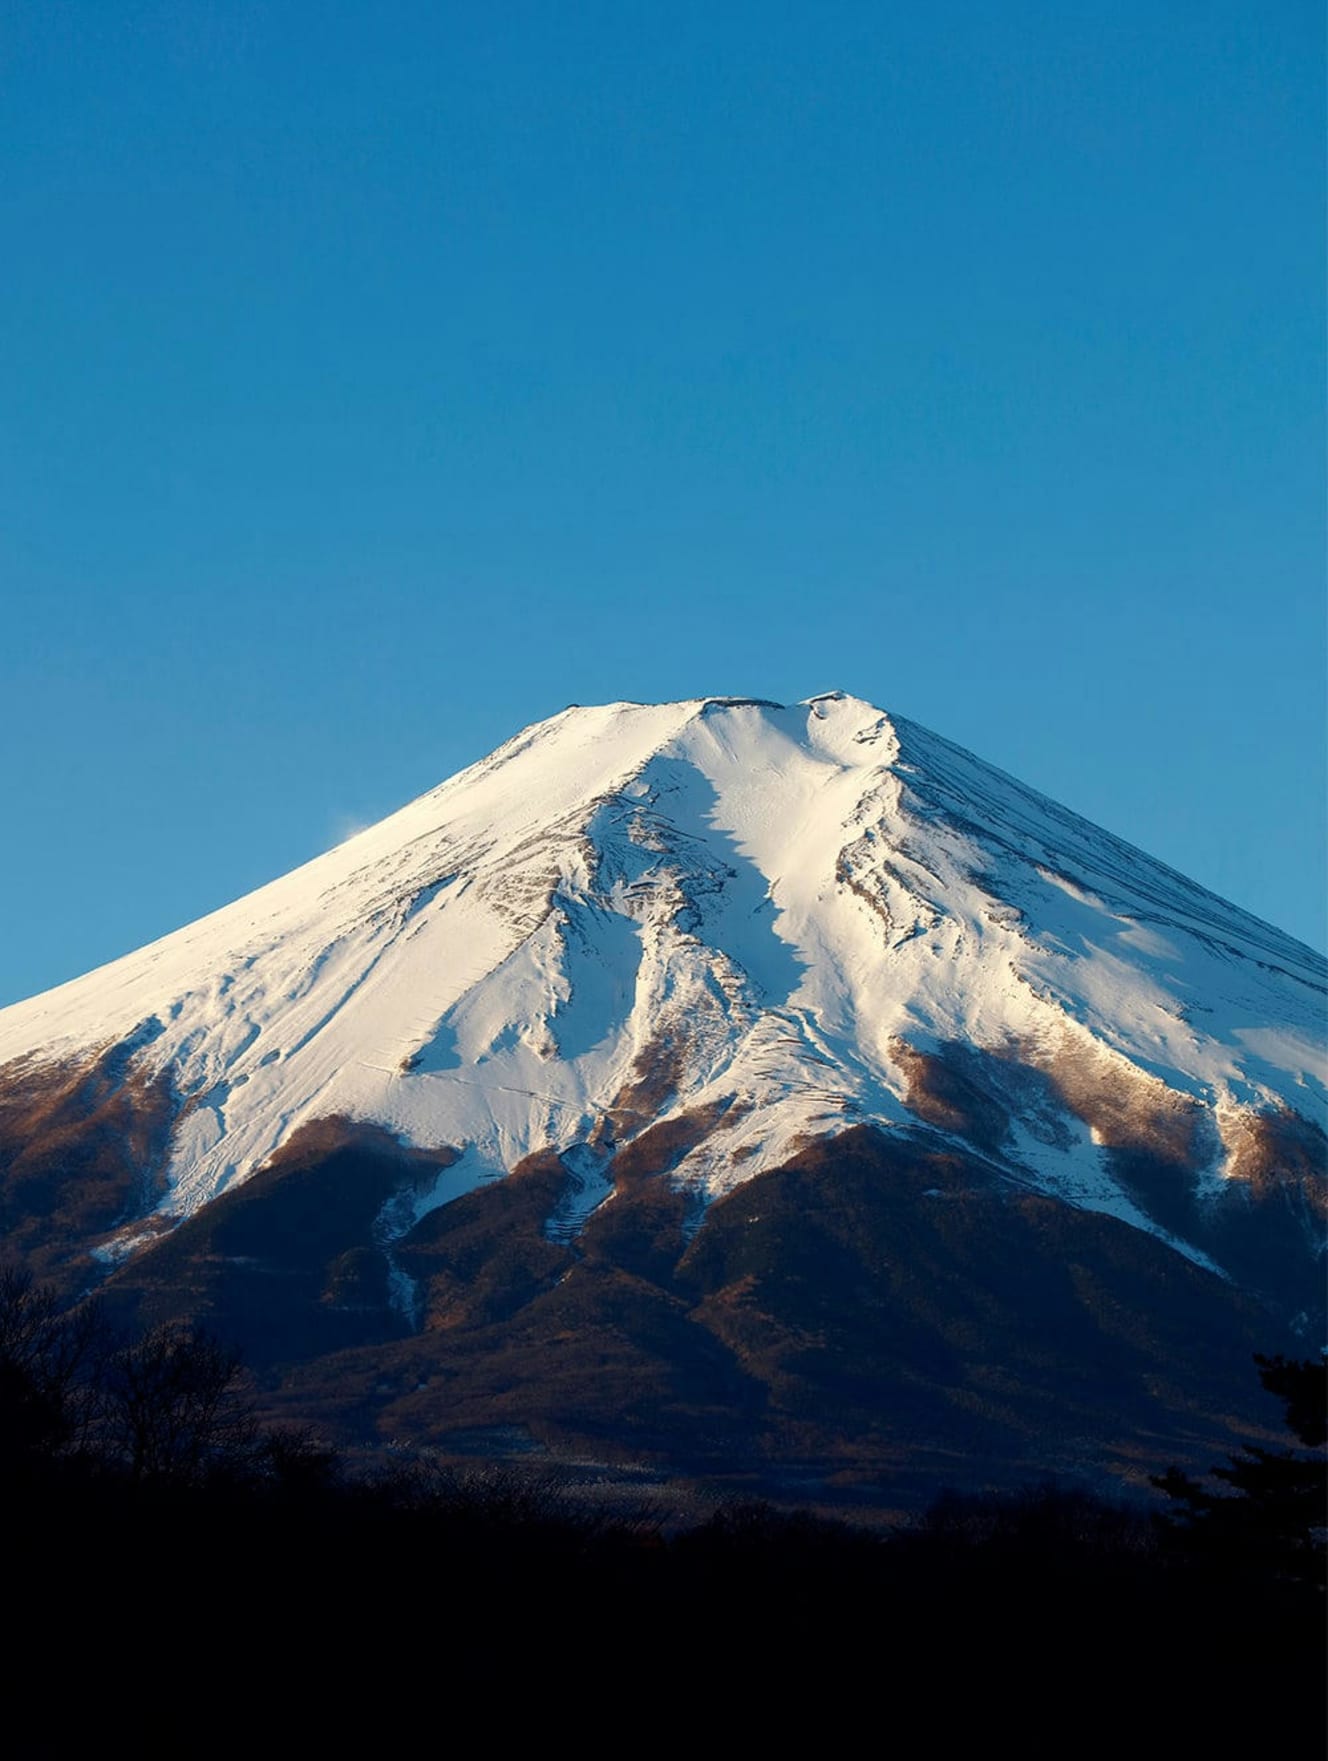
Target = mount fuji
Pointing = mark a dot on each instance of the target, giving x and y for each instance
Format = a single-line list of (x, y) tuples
[(711, 1083)]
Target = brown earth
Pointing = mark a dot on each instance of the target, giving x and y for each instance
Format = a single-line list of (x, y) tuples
[(82, 1147), (1263, 1223)]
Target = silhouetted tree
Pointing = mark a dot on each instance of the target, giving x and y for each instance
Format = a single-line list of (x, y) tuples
[(1301, 1384), (50, 1370), (296, 1464), (1273, 1518), (176, 1408)]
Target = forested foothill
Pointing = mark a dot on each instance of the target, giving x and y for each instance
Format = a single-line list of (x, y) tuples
[(174, 1563)]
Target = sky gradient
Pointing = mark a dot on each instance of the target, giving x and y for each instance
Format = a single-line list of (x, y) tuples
[(376, 380)]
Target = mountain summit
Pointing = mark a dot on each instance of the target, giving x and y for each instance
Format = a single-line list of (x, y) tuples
[(648, 955)]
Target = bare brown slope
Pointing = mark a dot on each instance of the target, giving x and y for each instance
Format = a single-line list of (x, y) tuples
[(1262, 1221), (82, 1147), (874, 1312), (905, 1293)]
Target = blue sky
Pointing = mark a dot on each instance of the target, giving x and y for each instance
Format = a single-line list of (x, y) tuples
[(377, 379)]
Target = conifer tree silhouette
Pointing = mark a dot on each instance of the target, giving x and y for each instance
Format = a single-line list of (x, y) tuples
[(1274, 1518)]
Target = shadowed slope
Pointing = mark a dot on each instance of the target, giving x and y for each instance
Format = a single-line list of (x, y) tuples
[(875, 1314)]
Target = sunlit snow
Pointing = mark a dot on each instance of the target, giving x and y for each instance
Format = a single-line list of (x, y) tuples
[(761, 900)]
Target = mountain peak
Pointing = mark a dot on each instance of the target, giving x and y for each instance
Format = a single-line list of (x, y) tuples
[(791, 918)]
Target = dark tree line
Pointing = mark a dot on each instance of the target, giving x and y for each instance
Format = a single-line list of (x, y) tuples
[(146, 1513), (167, 1404)]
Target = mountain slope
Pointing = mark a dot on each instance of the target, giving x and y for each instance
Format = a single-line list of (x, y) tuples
[(646, 956)]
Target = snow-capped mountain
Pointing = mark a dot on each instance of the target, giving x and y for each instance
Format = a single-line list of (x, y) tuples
[(748, 927), (778, 909)]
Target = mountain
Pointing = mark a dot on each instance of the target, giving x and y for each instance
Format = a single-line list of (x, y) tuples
[(716, 1082)]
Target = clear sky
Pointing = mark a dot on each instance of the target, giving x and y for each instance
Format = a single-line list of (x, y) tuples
[(377, 378)]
